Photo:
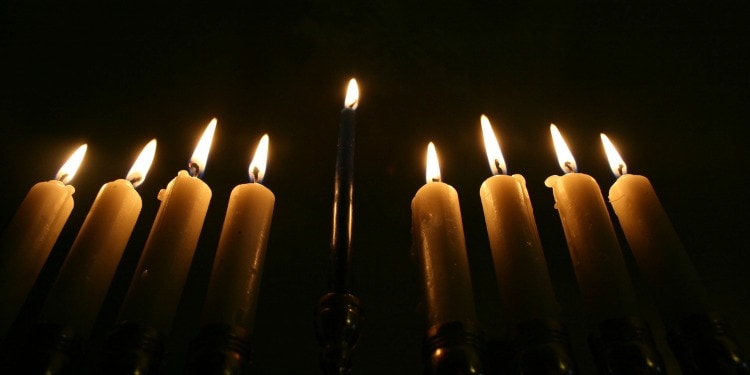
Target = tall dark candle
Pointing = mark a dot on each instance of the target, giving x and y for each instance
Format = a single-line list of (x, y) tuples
[(341, 241)]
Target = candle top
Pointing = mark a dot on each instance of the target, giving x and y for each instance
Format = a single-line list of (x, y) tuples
[(492, 147), (564, 156), (433, 166), (352, 95), (69, 169), (198, 161), (257, 168), (138, 171), (616, 163)]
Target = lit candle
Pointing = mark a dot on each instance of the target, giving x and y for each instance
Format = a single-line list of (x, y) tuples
[(599, 266), (155, 291), (439, 247), (78, 293), (658, 251), (341, 239), (235, 278), (525, 286), (29, 237)]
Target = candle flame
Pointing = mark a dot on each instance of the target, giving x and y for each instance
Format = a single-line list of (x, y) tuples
[(616, 163), (352, 95), (139, 170), (200, 155), (69, 169), (257, 167), (433, 166), (564, 156), (492, 147)]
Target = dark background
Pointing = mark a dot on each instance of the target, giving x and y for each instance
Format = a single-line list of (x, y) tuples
[(667, 83)]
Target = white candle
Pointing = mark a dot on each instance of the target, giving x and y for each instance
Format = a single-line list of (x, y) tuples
[(438, 245), (656, 247), (155, 291), (525, 286), (599, 266), (81, 286), (30, 236), (235, 279)]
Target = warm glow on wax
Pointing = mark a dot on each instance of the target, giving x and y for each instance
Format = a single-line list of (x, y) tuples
[(491, 145), (616, 163), (257, 167), (564, 156), (69, 169), (200, 155), (433, 166), (352, 95), (138, 172)]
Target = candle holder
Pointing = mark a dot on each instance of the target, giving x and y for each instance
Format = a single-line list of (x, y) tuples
[(47, 349), (132, 349), (220, 349), (705, 345), (454, 348), (625, 346), (337, 325), (542, 346)]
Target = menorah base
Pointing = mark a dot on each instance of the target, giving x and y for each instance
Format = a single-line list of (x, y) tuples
[(542, 347), (337, 321), (705, 346)]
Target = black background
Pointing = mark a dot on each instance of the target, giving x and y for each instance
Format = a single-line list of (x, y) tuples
[(667, 83)]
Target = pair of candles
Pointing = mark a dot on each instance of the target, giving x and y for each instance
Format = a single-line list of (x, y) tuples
[(516, 248), (525, 288)]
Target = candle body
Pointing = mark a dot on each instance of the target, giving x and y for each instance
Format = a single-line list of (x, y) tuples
[(438, 245), (598, 262), (155, 291), (658, 251), (27, 242), (523, 280), (343, 198), (82, 284), (235, 279)]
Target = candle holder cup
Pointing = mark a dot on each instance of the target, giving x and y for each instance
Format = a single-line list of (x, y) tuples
[(542, 347), (47, 349), (220, 349), (705, 345), (625, 346), (454, 348), (337, 325), (132, 349)]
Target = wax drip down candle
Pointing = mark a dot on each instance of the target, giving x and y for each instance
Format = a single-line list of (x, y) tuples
[(229, 310), (678, 292), (79, 290), (539, 337), (453, 338), (606, 290), (525, 285), (151, 301), (31, 234), (343, 195)]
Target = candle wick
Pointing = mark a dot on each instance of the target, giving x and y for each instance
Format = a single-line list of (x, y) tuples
[(435, 179), (497, 165), (194, 169), (619, 169), (256, 172), (134, 180), (63, 177), (569, 166)]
